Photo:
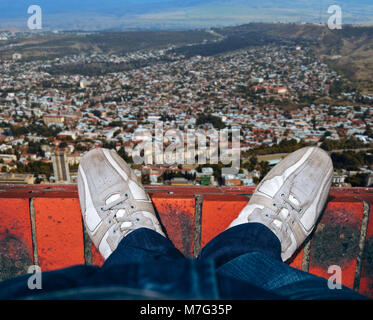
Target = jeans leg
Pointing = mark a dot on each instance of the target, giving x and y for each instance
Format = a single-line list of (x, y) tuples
[(139, 248), (68, 278), (143, 246), (239, 240), (251, 253)]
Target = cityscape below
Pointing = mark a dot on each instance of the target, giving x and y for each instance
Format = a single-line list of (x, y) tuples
[(280, 94)]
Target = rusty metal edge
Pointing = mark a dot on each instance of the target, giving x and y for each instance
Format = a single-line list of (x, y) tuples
[(362, 239), (33, 232), (87, 246), (197, 225), (306, 255), (55, 191)]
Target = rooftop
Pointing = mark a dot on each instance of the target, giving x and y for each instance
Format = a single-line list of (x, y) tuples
[(43, 225)]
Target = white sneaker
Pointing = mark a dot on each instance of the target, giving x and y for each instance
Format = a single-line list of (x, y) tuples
[(290, 199), (113, 202)]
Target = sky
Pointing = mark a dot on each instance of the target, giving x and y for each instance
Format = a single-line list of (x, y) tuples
[(127, 14)]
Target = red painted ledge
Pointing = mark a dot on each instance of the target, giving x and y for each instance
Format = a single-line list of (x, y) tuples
[(43, 225)]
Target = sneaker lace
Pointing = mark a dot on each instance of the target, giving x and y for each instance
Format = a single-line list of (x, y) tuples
[(125, 223), (286, 222)]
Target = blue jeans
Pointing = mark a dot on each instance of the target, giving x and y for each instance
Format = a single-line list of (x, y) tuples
[(243, 262)]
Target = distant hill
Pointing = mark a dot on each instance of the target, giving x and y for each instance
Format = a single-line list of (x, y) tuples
[(57, 45), (349, 51)]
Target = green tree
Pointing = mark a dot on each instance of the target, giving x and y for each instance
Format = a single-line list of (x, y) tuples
[(359, 180), (145, 179), (215, 121), (124, 155), (62, 145), (97, 113)]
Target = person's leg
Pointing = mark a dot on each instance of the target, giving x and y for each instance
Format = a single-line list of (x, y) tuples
[(281, 214), (143, 246), (251, 253), (120, 220), (113, 201), (68, 278), (118, 213)]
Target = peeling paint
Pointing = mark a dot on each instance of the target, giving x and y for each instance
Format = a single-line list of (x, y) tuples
[(15, 257), (334, 244)]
